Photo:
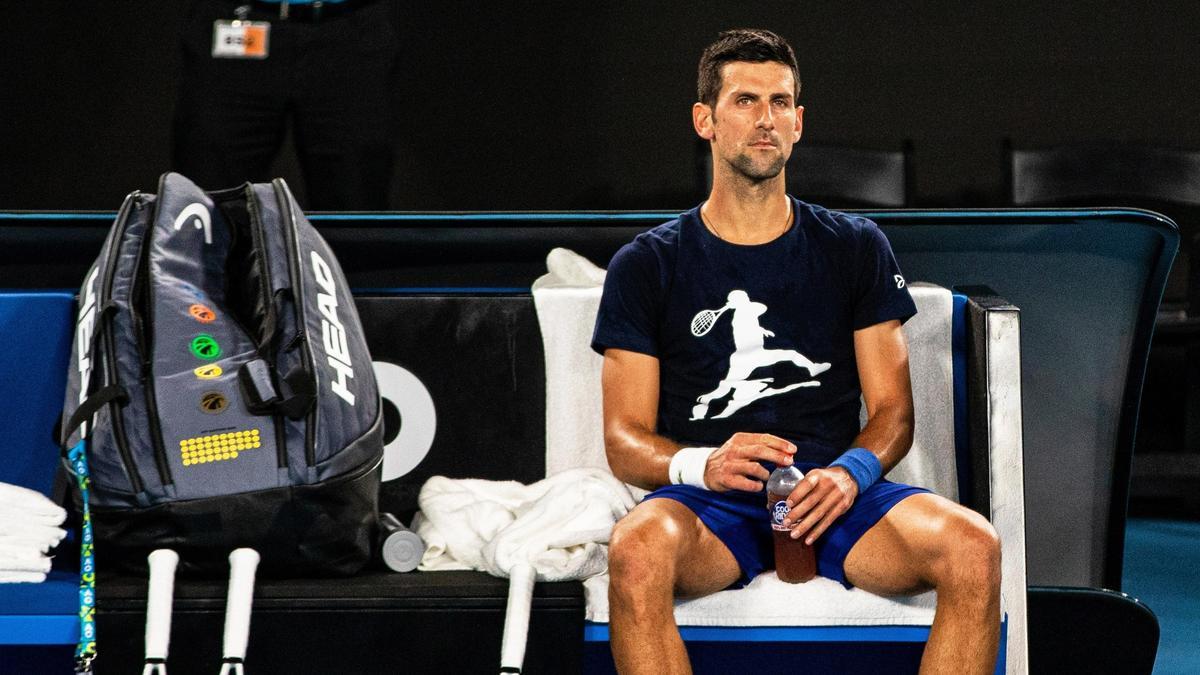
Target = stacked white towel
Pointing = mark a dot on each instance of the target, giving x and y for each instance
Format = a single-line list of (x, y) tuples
[(30, 525)]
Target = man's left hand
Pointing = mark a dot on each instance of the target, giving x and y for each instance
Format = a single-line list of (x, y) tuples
[(822, 496)]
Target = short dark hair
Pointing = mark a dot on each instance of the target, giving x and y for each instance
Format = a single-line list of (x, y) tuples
[(741, 44)]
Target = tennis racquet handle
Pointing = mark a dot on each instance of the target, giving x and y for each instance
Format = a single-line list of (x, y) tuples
[(521, 580), (242, 564), (162, 563)]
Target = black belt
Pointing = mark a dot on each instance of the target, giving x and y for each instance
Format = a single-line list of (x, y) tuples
[(307, 12)]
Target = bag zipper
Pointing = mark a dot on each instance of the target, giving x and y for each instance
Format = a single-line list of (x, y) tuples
[(265, 349), (141, 275), (283, 196), (110, 360)]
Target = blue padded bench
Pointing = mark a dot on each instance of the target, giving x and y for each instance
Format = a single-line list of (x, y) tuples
[(36, 330)]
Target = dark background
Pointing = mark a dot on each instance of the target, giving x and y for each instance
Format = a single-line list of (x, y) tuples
[(587, 105)]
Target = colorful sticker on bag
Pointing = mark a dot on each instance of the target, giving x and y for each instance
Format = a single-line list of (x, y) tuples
[(202, 313), (213, 403), (210, 372), (205, 346), (218, 447)]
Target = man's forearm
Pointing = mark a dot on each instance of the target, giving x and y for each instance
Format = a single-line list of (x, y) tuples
[(639, 456), (888, 434)]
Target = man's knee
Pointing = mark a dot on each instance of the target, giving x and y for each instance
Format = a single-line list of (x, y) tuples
[(968, 553), (642, 551)]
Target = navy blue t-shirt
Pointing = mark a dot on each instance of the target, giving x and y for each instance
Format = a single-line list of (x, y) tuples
[(754, 338)]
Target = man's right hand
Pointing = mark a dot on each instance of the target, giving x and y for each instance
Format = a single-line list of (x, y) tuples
[(735, 465)]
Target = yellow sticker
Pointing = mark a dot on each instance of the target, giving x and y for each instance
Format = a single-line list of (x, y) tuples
[(217, 447), (208, 372)]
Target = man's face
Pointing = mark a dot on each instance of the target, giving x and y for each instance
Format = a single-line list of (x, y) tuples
[(755, 121)]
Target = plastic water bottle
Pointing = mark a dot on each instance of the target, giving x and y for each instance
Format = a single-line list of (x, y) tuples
[(794, 560), (401, 548)]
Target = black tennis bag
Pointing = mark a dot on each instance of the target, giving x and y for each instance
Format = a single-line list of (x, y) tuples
[(223, 384)]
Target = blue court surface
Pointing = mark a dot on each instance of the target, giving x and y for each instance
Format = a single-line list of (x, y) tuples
[(1161, 562)]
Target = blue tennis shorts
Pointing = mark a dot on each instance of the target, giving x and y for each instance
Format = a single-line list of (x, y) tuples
[(740, 520)]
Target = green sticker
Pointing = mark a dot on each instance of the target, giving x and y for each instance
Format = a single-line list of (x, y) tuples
[(205, 347)]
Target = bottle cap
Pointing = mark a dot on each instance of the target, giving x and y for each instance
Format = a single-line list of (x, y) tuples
[(402, 551)]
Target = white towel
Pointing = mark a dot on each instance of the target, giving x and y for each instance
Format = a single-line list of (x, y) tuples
[(35, 506), (767, 601), (562, 533), (567, 298), (552, 530), (41, 544), (556, 524), (30, 561), (42, 536), (22, 577)]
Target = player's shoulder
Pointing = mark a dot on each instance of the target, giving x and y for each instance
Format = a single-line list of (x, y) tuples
[(662, 236), (835, 227), (655, 247)]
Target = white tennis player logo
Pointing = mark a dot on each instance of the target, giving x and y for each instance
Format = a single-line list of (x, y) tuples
[(748, 355)]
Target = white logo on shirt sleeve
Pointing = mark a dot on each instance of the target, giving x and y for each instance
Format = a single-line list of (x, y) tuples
[(899, 281)]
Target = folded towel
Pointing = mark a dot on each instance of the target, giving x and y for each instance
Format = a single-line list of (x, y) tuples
[(42, 536), (42, 544), (566, 268), (24, 560), (567, 298), (22, 577), (35, 505), (767, 601)]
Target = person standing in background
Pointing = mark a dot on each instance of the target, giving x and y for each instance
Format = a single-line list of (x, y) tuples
[(250, 67)]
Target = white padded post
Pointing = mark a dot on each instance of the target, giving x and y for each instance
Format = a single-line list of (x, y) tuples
[(1007, 479)]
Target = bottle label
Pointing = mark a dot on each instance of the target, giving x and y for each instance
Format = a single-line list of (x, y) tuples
[(779, 511)]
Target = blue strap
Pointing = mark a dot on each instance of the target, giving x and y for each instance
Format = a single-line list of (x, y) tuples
[(862, 464), (85, 652)]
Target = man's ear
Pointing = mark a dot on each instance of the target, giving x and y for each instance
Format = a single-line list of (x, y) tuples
[(799, 123), (702, 120)]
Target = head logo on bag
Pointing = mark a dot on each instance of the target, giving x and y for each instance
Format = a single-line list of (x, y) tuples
[(203, 221), (333, 334), (84, 326)]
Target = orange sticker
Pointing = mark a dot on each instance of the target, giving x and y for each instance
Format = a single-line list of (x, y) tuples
[(202, 313), (255, 40)]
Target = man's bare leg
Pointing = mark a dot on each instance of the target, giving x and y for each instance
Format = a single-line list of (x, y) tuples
[(927, 541), (658, 552)]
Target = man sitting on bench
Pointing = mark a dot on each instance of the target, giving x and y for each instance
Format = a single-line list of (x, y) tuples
[(740, 336)]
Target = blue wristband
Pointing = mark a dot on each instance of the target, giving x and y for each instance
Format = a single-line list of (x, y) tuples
[(863, 466)]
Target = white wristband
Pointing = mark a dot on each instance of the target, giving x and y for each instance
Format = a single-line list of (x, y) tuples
[(687, 467)]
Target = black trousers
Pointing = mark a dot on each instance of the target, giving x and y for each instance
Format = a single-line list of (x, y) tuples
[(330, 78)]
